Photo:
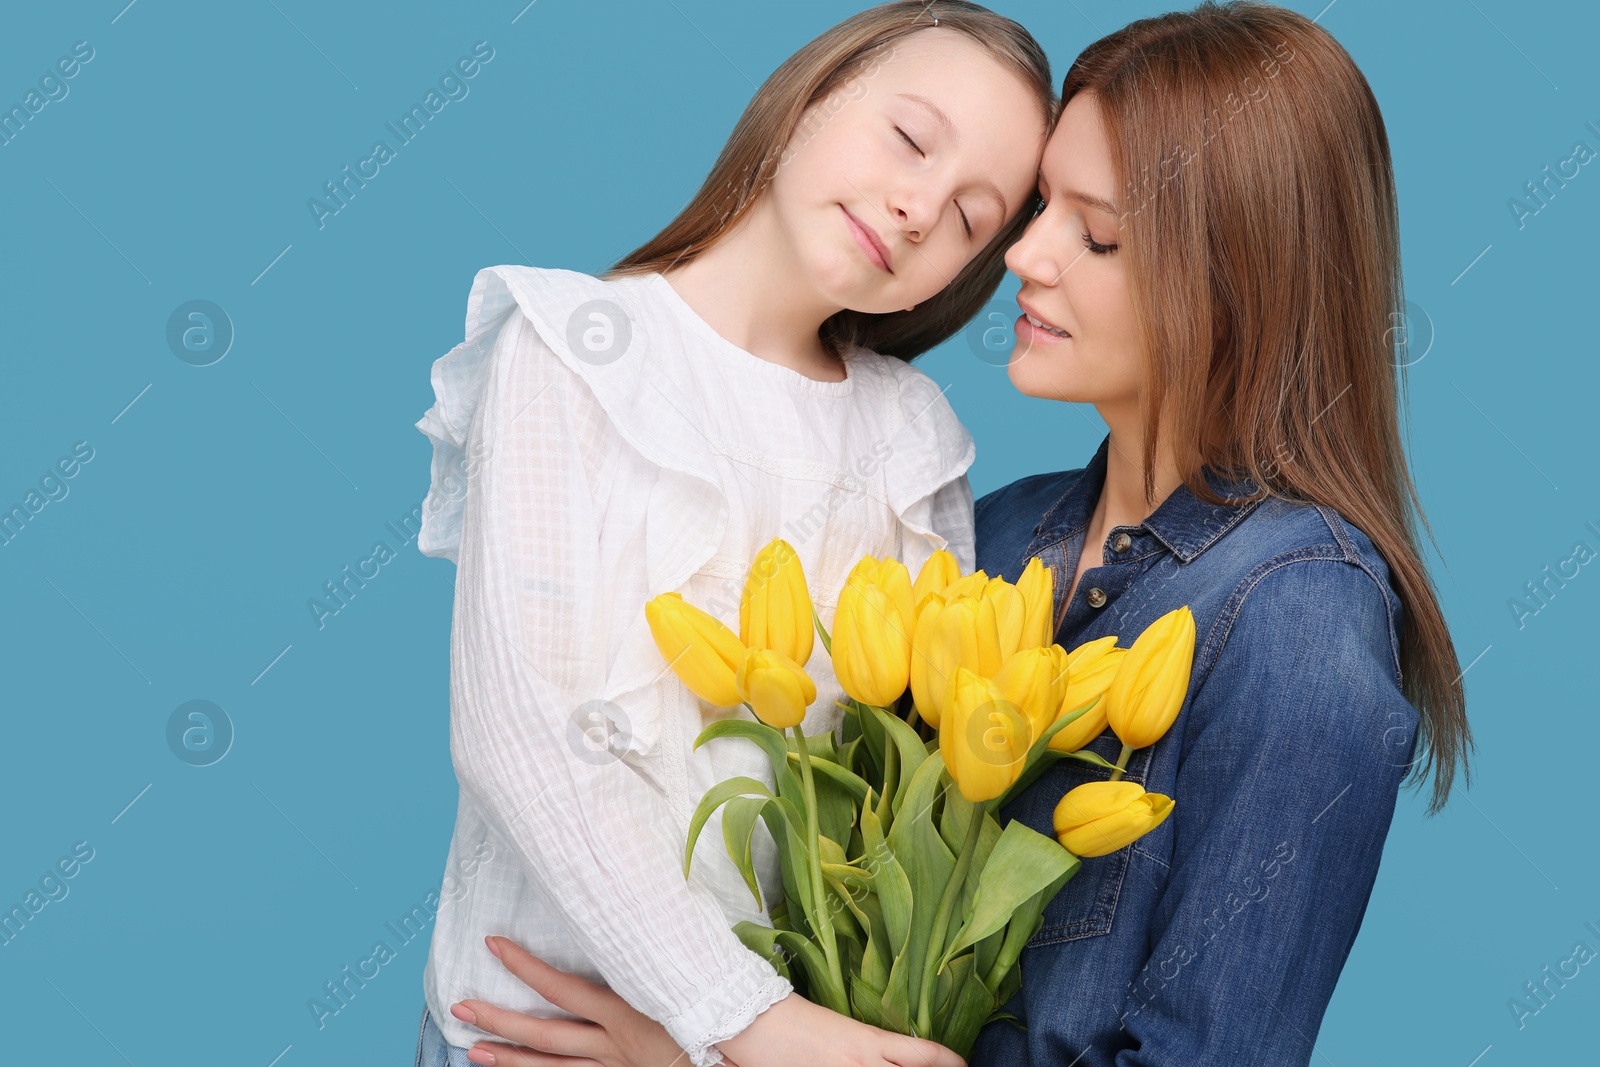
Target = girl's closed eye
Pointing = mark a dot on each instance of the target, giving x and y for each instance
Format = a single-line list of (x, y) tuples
[(966, 223)]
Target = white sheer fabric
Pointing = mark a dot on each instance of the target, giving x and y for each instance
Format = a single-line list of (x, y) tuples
[(581, 466)]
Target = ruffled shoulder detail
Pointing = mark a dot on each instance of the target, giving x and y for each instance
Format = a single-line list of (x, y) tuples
[(931, 449), (600, 331)]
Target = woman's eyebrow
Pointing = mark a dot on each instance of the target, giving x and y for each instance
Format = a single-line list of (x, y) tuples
[(988, 188), (1093, 201)]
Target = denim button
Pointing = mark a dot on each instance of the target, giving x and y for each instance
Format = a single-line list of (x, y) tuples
[(1097, 597), (1121, 543)]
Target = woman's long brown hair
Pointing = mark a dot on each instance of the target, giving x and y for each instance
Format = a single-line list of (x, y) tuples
[(1259, 219), (818, 72)]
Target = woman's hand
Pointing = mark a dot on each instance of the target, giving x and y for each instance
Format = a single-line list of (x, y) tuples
[(617, 1035), (792, 1033)]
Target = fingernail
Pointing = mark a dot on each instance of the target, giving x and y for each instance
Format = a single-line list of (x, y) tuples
[(483, 1055), (464, 1013), (492, 946)]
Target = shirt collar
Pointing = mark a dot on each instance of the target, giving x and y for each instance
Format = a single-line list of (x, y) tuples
[(1183, 523)]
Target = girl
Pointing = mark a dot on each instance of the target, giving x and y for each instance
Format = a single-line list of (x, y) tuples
[(1214, 268), (598, 442)]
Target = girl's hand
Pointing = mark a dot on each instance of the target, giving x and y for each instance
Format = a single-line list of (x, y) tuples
[(797, 1033), (792, 1033)]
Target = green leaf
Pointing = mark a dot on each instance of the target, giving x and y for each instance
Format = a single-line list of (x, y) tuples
[(1040, 755), (827, 641), (1091, 757), (889, 882), (771, 741), (837, 771), (866, 1002), (874, 743), (788, 828), (836, 800), (928, 863), (889, 784), (715, 797), (967, 1011), (1023, 863), (738, 823), (912, 749), (762, 940)]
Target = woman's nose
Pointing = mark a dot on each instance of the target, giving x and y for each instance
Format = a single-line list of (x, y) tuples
[(1031, 258)]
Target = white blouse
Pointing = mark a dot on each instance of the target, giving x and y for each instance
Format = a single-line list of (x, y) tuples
[(597, 443)]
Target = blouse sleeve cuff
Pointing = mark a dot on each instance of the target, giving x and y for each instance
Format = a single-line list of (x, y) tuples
[(727, 1011), (932, 451)]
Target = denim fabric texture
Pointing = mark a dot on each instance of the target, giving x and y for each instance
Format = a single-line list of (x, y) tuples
[(1216, 939), (433, 1050)]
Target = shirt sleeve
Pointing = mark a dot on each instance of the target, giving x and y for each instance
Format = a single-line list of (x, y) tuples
[(1294, 751), (952, 519), (527, 668)]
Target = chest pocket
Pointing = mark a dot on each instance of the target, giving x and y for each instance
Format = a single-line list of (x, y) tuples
[(1087, 904)]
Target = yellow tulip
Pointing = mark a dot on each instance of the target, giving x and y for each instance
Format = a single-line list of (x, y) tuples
[(1091, 667), (1035, 680), (775, 608), (925, 678), (1037, 586), (777, 688), (699, 648), (1010, 612), (938, 571), (872, 632), (1101, 817), (964, 631), (1148, 691), (984, 738), (967, 585)]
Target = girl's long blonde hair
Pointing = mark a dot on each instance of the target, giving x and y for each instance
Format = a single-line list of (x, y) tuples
[(1260, 222), (813, 75)]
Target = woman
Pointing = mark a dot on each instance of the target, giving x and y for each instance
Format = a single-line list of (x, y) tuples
[(1214, 269)]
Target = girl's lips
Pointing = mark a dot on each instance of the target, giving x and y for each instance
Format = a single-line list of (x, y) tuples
[(869, 242)]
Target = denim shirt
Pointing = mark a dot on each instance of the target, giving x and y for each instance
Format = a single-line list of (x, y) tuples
[(1216, 939)]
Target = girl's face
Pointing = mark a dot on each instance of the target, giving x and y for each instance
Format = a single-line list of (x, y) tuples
[(889, 187), (1073, 281)]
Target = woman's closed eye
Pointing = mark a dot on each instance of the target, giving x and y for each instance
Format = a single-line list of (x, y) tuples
[(1096, 247)]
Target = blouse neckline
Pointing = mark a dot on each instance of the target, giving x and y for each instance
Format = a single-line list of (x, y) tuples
[(732, 355)]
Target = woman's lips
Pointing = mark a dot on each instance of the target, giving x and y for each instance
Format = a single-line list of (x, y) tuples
[(869, 241), (1037, 328)]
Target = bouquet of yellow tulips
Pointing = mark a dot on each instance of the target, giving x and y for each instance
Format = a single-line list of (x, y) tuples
[(907, 904)]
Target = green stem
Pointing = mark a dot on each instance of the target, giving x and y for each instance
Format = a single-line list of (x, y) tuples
[(941, 920), (822, 920), (1122, 762)]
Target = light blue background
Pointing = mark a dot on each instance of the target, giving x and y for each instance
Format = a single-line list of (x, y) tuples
[(221, 498)]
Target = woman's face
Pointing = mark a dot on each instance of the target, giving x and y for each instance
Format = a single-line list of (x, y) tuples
[(1073, 279), (889, 187)]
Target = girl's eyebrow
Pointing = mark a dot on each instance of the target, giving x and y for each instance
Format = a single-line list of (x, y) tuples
[(986, 187), (933, 109)]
